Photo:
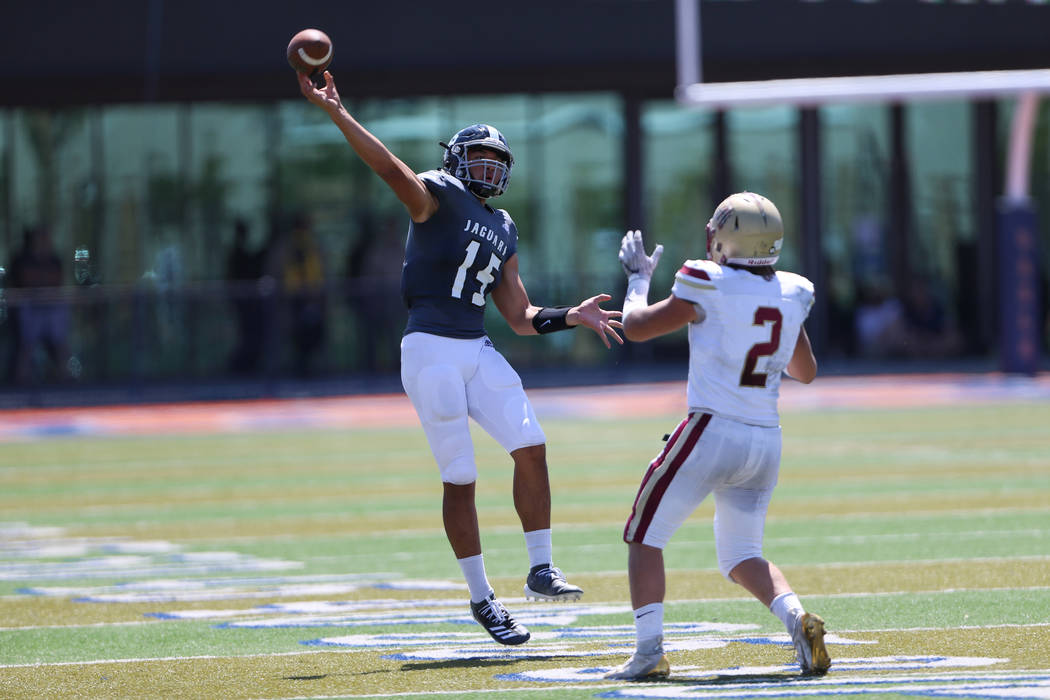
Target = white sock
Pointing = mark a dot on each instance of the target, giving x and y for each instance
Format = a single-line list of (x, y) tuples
[(649, 628), (787, 607), (539, 545), (473, 569)]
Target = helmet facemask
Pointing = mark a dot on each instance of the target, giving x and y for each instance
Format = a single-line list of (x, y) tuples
[(485, 177), (490, 175)]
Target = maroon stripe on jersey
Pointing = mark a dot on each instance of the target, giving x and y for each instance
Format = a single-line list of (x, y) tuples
[(686, 270), (665, 479)]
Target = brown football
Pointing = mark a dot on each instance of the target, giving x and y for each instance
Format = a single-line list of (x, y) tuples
[(310, 51)]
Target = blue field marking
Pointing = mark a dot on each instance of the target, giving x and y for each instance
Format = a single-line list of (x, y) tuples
[(140, 567), (439, 644), (157, 571), (786, 681), (756, 675), (486, 650), (433, 647), (1000, 685), (438, 611), (47, 554), (418, 585)]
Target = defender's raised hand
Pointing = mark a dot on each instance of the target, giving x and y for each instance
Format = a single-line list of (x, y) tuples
[(589, 313), (633, 257)]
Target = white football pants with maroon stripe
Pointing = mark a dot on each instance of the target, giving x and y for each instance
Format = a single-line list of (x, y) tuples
[(707, 454)]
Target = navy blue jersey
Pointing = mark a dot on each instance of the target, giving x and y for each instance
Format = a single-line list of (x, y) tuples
[(453, 260)]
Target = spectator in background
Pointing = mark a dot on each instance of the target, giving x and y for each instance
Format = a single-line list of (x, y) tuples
[(244, 268), (929, 330), (42, 316), (303, 282), (916, 326), (879, 321), (373, 267)]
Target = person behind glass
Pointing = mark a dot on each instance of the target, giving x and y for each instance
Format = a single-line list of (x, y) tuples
[(303, 279), (459, 251), (244, 267), (373, 270), (43, 318), (745, 324)]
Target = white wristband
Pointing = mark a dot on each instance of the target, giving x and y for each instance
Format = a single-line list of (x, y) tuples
[(637, 294)]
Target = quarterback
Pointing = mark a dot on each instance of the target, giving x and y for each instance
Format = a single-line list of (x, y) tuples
[(745, 323), (460, 251)]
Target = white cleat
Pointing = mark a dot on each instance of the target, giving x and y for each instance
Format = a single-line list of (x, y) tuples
[(642, 667), (808, 637)]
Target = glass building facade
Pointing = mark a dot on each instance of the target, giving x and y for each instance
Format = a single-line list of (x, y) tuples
[(217, 240)]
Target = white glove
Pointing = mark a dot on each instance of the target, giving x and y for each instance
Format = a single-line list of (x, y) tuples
[(633, 257)]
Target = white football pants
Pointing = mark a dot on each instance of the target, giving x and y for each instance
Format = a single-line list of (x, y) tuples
[(451, 379), (737, 462)]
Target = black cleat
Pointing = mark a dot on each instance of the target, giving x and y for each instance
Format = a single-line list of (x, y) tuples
[(498, 622), (546, 582)]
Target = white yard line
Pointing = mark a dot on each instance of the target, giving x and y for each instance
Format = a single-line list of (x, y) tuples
[(209, 657), (350, 651), (618, 524), (478, 691)]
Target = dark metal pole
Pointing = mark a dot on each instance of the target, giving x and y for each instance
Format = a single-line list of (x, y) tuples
[(633, 163), (987, 174), (811, 234)]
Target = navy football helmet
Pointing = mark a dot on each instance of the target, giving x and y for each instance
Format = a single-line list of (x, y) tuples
[(458, 161)]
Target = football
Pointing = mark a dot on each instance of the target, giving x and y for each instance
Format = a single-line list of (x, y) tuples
[(310, 51)]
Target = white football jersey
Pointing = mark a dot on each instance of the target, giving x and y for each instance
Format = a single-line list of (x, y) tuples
[(746, 338)]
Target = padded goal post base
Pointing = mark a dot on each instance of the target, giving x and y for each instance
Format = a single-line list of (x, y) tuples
[(1021, 326)]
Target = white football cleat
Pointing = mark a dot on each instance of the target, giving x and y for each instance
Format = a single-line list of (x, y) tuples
[(642, 667), (808, 637)]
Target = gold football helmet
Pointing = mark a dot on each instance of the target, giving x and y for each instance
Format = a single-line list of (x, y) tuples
[(746, 229)]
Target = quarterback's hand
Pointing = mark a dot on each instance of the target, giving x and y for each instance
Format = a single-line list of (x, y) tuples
[(602, 322), (327, 97), (633, 257)]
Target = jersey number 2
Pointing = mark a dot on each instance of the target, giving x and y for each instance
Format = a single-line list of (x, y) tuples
[(484, 276), (763, 315)]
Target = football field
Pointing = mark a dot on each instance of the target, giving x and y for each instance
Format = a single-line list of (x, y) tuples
[(294, 549)]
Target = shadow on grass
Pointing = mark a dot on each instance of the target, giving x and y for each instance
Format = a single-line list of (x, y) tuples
[(477, 662), (742, 679), (305, 678), (322, 676)]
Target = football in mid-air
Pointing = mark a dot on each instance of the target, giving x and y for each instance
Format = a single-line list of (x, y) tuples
[(310, 51)]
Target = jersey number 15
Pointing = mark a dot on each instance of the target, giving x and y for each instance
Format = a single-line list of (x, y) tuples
[(484, 275)]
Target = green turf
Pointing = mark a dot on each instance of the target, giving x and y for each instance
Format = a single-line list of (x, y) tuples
[(165, 638), (918, 522)]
